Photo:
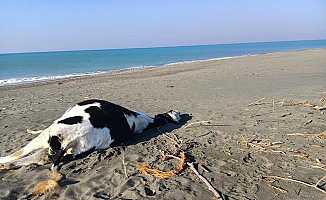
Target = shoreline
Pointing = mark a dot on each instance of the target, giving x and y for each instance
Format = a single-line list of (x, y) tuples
[(44, 79), (36, 80)]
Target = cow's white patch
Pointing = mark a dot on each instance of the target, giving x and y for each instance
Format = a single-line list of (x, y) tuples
[(98, 138), (141, 121), (175, 115)]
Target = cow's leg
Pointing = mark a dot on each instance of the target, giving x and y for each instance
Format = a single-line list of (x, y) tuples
[(40, 142)]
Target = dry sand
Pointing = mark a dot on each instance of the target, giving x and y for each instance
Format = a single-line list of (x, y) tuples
[(216, 91)]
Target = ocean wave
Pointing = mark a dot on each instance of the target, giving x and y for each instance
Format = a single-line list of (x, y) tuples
[(14, 81), (209, 59), (24, 80)]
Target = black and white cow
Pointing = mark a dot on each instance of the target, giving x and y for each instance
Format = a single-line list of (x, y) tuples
[(91, 124)]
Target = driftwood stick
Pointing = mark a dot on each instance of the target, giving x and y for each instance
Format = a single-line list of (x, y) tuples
[(322, 134), (193, 123), (257, 101), (172, 156), (319, 167), (300, 182), (123, 163), (172, 140), (210, 187), (205, 123), (169, 138), (320, 180)]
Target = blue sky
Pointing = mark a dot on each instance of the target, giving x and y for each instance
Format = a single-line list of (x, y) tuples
[(47, 25)]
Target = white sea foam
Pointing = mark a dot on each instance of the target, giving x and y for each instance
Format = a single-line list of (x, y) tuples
[(210, 59), (15, 81), (24, 80)]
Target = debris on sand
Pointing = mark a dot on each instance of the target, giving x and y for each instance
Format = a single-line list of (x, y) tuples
[(315, 186), (305, 104), (261, 145), (321, 135), (47, 186), (218, 195), (146, 169)]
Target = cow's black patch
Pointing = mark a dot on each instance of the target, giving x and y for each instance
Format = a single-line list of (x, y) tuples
[(164, 116), (97, 117), (56, 152), (133, 127), (111, 116), (71, 120), (54, 143), (104, 103), (89, 101)]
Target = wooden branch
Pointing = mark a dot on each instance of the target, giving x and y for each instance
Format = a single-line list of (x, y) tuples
[(320, 180), (321, 135), (210, 187), (277, 188), (298, 181), (256, 102), (193, 123), (172, 140), (168, 137), (172, 156), (123, 163), (205, 123), (319, 167), (306, 104)]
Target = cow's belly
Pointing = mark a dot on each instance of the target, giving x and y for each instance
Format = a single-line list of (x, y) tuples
[(98, 138)]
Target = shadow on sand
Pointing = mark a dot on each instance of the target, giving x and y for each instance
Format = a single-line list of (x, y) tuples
[(154, 132)]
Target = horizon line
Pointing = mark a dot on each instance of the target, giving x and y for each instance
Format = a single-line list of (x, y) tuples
[(152, 47)]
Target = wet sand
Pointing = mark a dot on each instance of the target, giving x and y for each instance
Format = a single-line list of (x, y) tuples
[(244, 142)]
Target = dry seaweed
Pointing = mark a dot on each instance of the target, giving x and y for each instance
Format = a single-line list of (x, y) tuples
[(47, 186), (146, 169)]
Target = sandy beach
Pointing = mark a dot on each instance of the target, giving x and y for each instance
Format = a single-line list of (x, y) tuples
[(247, 107)]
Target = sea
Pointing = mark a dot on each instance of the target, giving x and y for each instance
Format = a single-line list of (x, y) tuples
[(20, 68)]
